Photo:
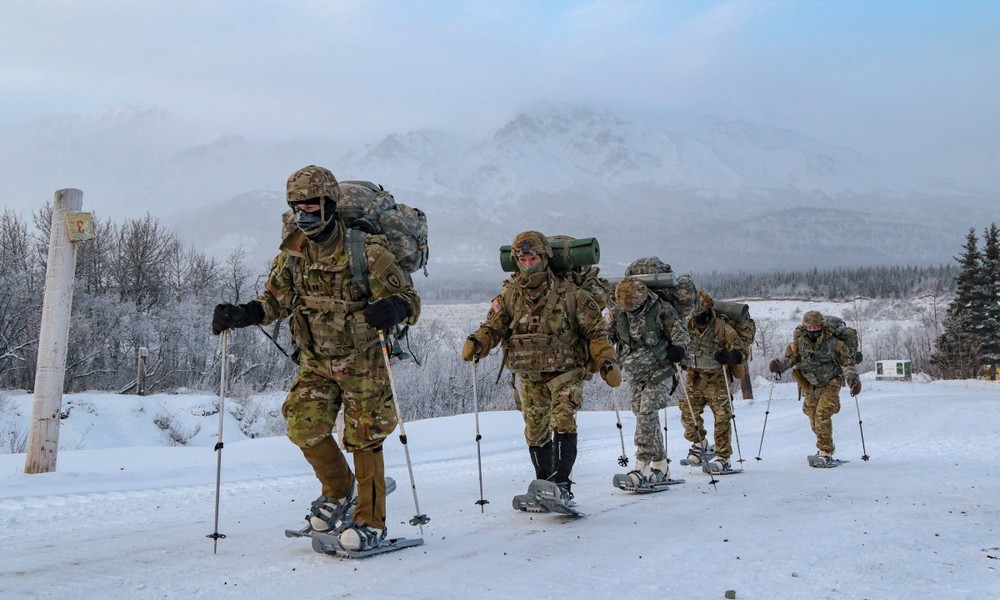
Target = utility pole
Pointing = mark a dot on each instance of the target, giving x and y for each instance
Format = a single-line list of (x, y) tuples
[(68, 226)]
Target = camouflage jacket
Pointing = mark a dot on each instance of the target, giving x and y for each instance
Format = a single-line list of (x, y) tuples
[(642, 339), (549, 334), (819, 362), (701, 352), (312, 283)]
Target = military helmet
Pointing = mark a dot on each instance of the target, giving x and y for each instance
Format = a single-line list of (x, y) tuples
[(530, 242), (705, 302), (312, 182), (649, 265), (313, 185), (812, 319), (631, 294)]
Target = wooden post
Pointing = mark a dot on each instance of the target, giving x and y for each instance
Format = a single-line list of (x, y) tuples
[(745, 384), (140, 377), (50, 374)]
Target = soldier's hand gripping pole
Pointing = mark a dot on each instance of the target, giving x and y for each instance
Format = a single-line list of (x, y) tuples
[(697, 434), (482, 502), (216, 536), (623, 459), (767, 411), (418, 519), (732, 410)]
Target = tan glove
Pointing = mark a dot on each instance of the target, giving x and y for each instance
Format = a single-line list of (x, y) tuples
[(475, 347), (611, 374), (600, 350)]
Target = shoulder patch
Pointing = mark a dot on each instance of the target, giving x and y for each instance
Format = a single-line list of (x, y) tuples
[(495, 307), (608, 317), (393, 280), (592, 305)]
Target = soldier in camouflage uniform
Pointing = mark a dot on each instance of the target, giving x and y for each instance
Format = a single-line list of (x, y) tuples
[(715, 345), (548, 327), (335, 324), (651, 339), (821, 363)]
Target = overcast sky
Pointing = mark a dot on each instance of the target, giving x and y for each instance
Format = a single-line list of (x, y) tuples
[(906, 81)]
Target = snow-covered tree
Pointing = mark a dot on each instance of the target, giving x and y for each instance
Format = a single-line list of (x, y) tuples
[(989, 329), (957, 352)]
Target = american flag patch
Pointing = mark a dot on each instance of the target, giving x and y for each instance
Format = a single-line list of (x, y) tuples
[(607, 316), (495, 306)]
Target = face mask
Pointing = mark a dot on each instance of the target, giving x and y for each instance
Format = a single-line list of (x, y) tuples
[(702, 318), (531, 269), (308, 222), (814, 335)]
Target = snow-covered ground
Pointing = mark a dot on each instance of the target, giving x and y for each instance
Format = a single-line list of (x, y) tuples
[(128, 520)]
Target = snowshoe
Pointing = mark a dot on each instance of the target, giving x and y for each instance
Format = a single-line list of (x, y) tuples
[(719, 466), (554, 497), (822, 461), (325, 543), (340, 520), (698, 454), (625, 481)]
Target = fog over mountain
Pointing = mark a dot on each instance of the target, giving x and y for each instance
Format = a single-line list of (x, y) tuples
[(702, 192)]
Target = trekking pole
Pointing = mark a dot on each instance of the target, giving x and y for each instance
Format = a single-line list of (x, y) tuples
[(666, 454), (732, 409), (482, 502), (216, 536), (623, 459), (697, 434), (418, 519), (767, 411), (864, 452)]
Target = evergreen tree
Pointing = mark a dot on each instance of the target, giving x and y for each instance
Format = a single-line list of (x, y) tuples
[(957, 353), (989, 332)]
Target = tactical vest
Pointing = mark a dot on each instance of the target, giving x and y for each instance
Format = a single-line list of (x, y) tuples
[(543, 333), (704, 345), (818, 363), (327, 318), (643, 335)]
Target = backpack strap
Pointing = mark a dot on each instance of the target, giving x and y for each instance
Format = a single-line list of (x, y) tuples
[(354, 245)]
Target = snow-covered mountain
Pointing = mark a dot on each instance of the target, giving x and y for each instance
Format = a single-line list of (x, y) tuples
[(702, 192)]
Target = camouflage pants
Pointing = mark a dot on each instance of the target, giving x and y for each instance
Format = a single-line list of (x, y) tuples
[(647, 400), (359, 382), (707, 388), (820, 404), (550, 404)]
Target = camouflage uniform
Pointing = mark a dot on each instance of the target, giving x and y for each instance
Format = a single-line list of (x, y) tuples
[(707, 384), (547, 326), (340, 360), (820, 367), (643, 328)]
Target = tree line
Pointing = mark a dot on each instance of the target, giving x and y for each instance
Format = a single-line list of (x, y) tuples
[(138, 286)]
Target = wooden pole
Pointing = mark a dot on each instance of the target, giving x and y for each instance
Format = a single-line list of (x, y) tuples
[(50, 374)]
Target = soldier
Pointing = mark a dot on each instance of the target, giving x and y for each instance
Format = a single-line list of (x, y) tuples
[(335, 327), (714, 346), (821, 362), (650, 339), (548, 327)]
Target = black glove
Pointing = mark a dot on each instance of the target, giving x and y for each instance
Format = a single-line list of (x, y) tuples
[(728, 357), (675, 353), (384, 314), (858, 357), (228, 316)]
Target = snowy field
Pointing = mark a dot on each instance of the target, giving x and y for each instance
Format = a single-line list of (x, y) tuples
[(919, 520)]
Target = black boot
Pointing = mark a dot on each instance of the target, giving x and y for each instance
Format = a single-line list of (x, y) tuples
[(541, 458), (565, 457)]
